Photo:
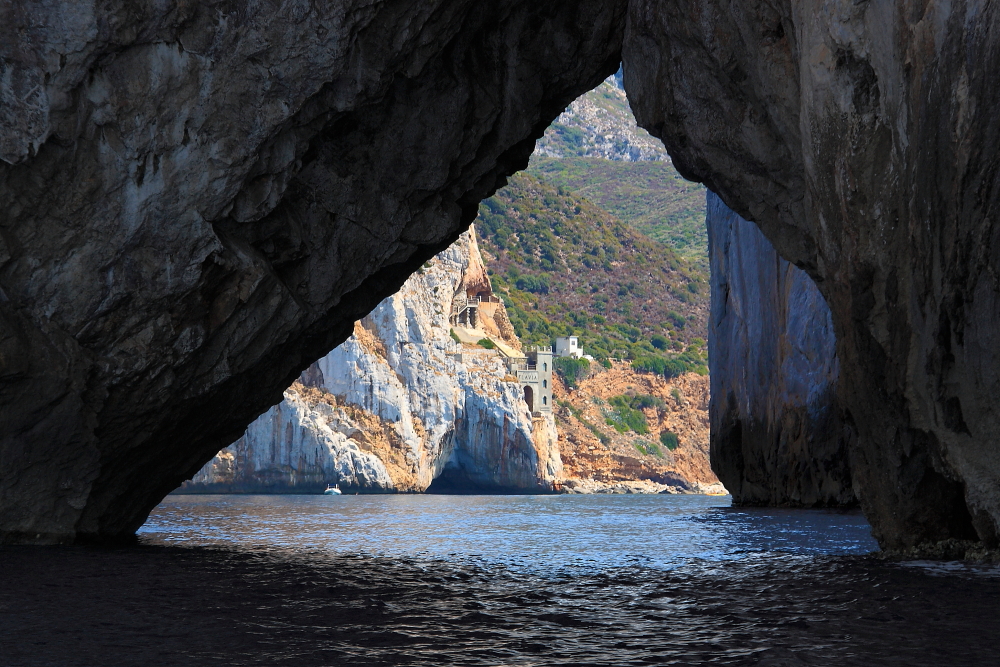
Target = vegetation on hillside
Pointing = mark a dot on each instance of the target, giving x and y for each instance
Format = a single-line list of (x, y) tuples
[(669, 440), (578, 415), (672, 366), (571, 370), (650, 197), (600, 124), (604, 240), (566, 267), (626, 413), (624, 418)]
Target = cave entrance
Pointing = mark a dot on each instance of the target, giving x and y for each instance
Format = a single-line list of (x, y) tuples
[(602, 240), (599, 241)]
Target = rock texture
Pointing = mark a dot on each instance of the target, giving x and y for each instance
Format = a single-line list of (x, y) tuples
[(302, 444), (600, 124), (197, 200), (776, 436), (598, 458), (862, 138), (400, 405)]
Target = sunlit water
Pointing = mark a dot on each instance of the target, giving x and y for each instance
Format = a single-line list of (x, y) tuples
[(491, 580), (534, 532)]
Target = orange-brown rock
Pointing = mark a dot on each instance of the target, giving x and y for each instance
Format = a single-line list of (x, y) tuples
[(593, 450)]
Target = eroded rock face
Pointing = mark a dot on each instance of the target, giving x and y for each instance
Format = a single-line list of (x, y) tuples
[(862, 138), (456, 411), (399, 404), (302, 444), (198, 200), (776, 433)]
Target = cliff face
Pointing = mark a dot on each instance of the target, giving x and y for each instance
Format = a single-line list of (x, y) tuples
[(600, 124), (862, 138), (198, 200), (303, 443), (400, 404), (596, 457), (776, 435)]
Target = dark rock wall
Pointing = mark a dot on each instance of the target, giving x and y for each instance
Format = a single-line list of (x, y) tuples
[(776, 433), (862, 138), (198, 199)]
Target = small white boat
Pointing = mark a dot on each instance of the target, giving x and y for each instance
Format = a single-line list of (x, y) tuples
[(332, 490)]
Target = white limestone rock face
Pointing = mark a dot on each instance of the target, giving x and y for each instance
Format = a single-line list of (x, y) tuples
[(421, 404), (298, 444), (497, 444), (600, 124)]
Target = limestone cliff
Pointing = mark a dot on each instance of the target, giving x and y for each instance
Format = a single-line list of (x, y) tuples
[(400, 404), (862, 138), (303, 443), (776, 437), (198, 200)]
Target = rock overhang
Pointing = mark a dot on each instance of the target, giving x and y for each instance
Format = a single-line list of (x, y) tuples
[(215, 194), (858, 137), (198, 201)]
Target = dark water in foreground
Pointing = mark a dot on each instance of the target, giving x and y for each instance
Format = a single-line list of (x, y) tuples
[(491, 580)]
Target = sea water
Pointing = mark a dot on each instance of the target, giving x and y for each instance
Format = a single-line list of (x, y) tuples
[(492, 580)]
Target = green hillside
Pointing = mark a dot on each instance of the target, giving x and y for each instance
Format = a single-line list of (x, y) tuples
[(564, 266), (649, 196)]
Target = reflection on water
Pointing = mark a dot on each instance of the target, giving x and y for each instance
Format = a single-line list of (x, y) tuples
[(535, 531), (439, 580)]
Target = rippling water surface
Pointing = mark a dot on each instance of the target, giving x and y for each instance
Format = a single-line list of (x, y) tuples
[(491, 580)]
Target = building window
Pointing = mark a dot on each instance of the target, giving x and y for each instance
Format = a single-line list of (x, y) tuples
[(545, 384), (545, 400), (545, 368)]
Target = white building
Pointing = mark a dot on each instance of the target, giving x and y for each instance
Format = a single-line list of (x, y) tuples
[(568, 346), (534, 374)]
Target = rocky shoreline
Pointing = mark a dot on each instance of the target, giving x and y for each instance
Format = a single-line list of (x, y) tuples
[(639, 486)]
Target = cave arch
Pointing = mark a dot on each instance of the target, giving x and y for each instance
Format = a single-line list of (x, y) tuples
[(322, 201), (211, 262)]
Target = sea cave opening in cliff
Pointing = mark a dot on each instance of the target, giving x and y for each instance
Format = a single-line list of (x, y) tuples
[(573, 322), (602, 426)]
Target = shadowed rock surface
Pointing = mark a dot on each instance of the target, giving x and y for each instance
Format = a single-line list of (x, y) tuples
[(862, 138), (198, 201), (776, 433)]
